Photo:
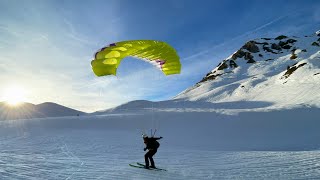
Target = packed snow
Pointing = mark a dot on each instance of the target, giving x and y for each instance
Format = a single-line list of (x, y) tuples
[(196, 145)]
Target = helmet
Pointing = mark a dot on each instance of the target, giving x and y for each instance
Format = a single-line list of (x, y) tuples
[(144, 136)]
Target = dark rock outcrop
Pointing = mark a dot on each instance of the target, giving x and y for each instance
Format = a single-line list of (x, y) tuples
[(315, 44), (238, 54), (281, 37), (251, 47), (291, 69), (275, 46)]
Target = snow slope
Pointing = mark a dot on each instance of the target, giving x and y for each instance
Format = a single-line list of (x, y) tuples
[(196, 145)]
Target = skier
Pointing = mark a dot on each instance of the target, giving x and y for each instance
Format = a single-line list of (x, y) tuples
[(152, 145)]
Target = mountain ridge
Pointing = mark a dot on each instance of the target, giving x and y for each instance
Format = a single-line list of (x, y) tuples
[(28, 111)]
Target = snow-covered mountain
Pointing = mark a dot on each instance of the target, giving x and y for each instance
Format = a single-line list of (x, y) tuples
[(28, 111), (283, 71)]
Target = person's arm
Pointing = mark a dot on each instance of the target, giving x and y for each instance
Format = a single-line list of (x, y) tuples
[(147, 147), (156, 138)]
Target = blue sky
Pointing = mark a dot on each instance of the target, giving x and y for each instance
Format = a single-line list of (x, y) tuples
[(46, 46)]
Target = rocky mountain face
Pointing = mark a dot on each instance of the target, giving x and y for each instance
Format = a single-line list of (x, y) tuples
[(275, 70), (259, 50)]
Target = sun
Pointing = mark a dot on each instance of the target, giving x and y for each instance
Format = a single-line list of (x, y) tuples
[(14, 95)]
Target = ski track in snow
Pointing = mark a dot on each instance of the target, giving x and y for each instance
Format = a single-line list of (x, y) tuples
[(46, 149)]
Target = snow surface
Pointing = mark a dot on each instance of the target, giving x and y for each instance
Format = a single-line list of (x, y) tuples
[(196, 145)]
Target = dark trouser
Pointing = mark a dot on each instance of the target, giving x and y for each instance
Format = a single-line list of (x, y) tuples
[(148, 156)]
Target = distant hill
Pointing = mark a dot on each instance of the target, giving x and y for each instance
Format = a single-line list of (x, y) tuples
[(28, 111)]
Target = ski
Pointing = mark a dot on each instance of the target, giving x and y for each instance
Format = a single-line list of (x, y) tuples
[(143, 166), (136, 166)]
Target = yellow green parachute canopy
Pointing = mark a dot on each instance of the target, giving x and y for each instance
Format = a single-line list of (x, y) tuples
[(159, 53)]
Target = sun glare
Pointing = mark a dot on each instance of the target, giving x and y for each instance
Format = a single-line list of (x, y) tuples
[(14, 95)]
